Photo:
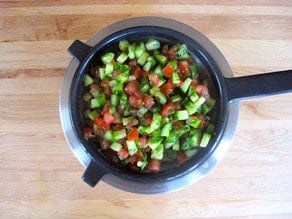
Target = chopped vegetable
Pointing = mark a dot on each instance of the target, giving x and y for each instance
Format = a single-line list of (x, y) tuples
[(147, 105)]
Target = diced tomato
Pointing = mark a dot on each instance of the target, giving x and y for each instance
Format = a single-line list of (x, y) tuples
[(177, 124), (116, 73), (143, 142), (105, 144), (204, 123), (134, 122), (202, 90), (146, 120), (181, 157), (88, 132), (117, 127), (171, 54), (93, 88), (109, 118), (105, 108), (123, 153), (167, 71), (135, 101), (106, 88), (132, 63), (177, 106), (110, 154), (167, 88), (149, 101), (154, 78), (134, 159), (100, 123), (132, 88), (138, 73), (167, 109), (154, 165), (183, 67), (133, 134)]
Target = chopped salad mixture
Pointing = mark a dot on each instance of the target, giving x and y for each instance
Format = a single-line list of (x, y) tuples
[(147, 106)]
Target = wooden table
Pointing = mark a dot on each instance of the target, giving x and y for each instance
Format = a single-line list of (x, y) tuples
[(40, 177)]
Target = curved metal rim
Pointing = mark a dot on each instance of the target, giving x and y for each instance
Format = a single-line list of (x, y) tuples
[(154, 188)]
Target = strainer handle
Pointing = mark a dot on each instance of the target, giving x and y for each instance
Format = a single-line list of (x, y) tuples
[(92, 174), (79, 50)]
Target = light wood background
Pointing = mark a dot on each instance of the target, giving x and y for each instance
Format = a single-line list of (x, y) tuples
[(40, 177)]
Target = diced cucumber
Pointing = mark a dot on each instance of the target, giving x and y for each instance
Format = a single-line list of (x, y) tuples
[(152, 44), (108, 135), (131, 51), (157, 153), (122, 57), (181, 115), (154, 142), (205, 139), (109, 68), (160, 97), (143, 58), (123, 45), (141, 112), (116, 146), (194, 122), (176, 98), (88, 80), (114, 99), (195, 137), (193, 107), (99, 101), (132, 147), (119, 134), (185, 85), (93, 115), (107, 57), (166, 129), (175, 77), (161, 59)]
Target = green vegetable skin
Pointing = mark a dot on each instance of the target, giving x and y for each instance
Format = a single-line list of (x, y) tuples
[(143, 113)]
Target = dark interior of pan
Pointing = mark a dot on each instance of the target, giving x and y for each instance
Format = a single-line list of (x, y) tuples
[(207, 70)]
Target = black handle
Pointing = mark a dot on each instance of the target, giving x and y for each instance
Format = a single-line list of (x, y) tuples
[(79, 50), (92, 174), (247, 87)]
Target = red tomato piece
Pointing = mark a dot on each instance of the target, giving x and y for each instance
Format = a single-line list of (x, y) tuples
[(202, 90), (106, 108), (135, 101), (171, 54), (123, 153), (93, 88), (132, 88), (154, 165), (143, 142), (138, 72), (167, 88), (181, 157), (100, 123), (167, 109), (149, 101), (88, 132), (134, 159), (109, 118), (134, 122), (105, 144), (154, 78), (167, 71), (133, 134), (183, 67)]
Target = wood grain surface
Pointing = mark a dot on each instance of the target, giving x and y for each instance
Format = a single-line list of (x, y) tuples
[(39, 175)]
